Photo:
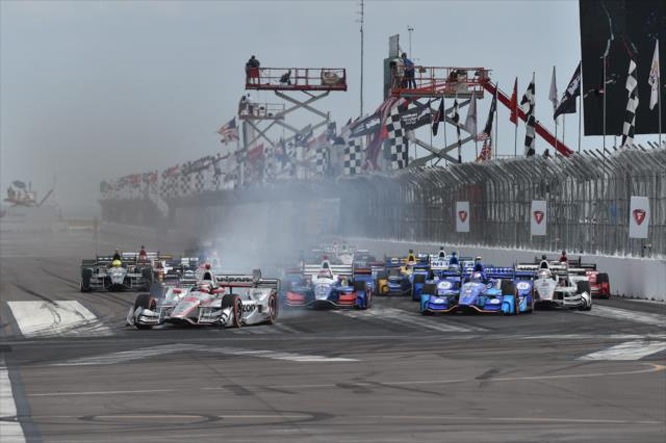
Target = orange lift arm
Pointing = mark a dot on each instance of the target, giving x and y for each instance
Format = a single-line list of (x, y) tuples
[(543, 132)]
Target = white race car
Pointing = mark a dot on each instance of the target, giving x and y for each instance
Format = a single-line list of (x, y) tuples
[(220, 300), (561, 286)]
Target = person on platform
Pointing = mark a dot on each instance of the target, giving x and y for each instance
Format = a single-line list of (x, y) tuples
[(563, 257), (252, 70), (409, 71), (285, 79)]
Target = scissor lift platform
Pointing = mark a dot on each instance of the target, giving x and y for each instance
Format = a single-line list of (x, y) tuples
[(296, 79), (431, 81)]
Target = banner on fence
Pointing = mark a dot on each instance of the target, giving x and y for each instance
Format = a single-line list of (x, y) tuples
[(462, 216), (639, 217), (539, 217)]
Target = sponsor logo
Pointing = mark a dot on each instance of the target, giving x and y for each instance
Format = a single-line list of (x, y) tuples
[(462, 215), (639, 216), (538, 216), (249, 308), (523, 285)]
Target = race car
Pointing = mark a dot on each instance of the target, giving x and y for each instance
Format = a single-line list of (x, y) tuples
[(599, 281), (559, 285), (330, 286), (496, 290), (396, 277), (223, 300), (127, 272)]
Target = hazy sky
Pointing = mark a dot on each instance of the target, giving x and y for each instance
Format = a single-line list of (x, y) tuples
[(99, 89)]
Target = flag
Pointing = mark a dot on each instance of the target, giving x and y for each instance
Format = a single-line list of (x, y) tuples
[(229, 131), (632, 103), (366, 125), (439, 117), (488, 128), (514, 103), (527, 105), (470, 121), (487, 151), (553, 91), (568, 102), (301, 137), (419, 115), (654, 77), (456, 118)]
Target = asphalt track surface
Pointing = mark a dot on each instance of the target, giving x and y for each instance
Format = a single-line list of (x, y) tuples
[(385, 375)]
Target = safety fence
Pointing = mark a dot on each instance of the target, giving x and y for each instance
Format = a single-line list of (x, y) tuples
[(588, 202)]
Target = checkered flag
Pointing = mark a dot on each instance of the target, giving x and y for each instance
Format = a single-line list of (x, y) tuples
[(632, 103), (527, 104), (353, 156), (397, 139), (321, 160)]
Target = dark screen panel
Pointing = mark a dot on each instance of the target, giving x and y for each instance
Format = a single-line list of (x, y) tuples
[(634, 27)]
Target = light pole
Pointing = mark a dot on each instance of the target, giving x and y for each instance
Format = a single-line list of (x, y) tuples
[(410, 29)]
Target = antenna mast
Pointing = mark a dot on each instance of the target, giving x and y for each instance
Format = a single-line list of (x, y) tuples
[(362, 21)]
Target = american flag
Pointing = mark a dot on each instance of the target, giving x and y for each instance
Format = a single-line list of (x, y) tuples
[(229, 131)]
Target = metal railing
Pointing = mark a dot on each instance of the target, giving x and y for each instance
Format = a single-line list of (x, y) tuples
[(588, 198)]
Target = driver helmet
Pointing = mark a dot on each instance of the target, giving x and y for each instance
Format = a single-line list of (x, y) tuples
[(564, 252), (116, 263), (453, 253)]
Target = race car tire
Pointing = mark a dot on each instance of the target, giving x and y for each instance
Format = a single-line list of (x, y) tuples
[(516, 304), (144, 301), (584, 286), (234, 301), (530, 308), (86, 275), (272, 309), (148, 277), (508, 287)]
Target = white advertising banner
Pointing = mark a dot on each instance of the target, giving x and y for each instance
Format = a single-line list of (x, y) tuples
[(639, 217), (462, 216), (538, 217)]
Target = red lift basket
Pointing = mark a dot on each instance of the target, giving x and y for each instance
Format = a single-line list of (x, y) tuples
[(296, 79), (431, 81)]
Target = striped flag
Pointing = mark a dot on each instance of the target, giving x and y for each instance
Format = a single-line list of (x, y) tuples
[(527, 105), (229, 131), (487, 134), (632, 103)]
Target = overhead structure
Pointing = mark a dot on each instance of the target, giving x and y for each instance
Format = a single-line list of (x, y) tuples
[(312, 84)]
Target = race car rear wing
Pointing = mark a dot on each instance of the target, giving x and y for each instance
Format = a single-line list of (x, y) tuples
[(254, 280), (343, 270), (497, 272)]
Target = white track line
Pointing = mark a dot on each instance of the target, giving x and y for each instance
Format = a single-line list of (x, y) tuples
[(10, 428), (142, 353), (630, 350), (624, 314), (60, 318), (398, 316)]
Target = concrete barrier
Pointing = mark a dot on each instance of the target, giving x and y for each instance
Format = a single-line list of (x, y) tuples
[(629, 277)]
